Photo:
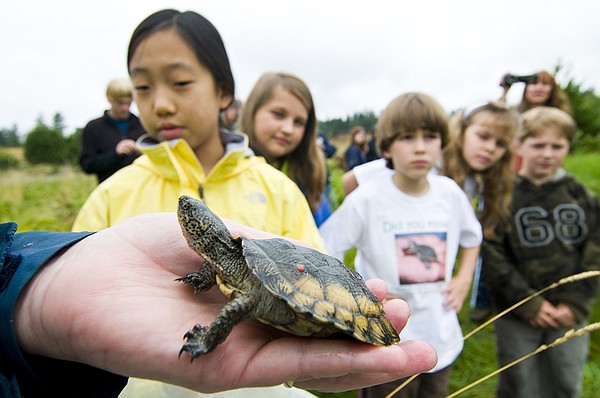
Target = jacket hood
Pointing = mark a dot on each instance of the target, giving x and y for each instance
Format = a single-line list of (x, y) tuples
[(557, 178)]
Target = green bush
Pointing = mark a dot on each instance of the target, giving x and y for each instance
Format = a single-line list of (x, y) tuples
[(72, 145), (45, 145), (586, 144)]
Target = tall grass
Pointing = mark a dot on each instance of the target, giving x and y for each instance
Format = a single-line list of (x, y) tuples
[(43, 197)]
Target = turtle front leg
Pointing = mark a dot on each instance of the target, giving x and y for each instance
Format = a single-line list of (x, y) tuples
[(203, 339), (202, 280)]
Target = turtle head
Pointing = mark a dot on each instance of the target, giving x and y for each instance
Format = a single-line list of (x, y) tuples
[(200, 226), (207, 235), (190, 209)]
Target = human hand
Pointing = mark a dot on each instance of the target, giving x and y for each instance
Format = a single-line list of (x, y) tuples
[(126, 147), (456, 292), (111, 301), (545, 318), (564, 316)]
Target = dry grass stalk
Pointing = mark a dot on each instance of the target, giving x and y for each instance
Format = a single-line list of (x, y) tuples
[(569, 279), (567, 336), (401, 386)]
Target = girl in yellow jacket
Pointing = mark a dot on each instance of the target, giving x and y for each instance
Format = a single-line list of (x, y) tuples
[(182, 80)]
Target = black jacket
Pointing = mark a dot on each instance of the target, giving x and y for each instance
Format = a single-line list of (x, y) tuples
[(98, 143), (554, 232)]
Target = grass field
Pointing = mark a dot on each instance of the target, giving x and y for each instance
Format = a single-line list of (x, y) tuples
[(48, 198)]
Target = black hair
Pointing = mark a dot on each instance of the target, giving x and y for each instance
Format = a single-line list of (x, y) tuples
[(199, 33)]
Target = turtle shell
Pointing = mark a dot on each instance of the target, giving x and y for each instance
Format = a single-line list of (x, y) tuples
[(327, 296)]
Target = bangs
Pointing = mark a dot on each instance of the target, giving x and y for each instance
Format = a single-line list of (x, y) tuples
[(408, 113), (505, 121), (419, 115), (545, 77)]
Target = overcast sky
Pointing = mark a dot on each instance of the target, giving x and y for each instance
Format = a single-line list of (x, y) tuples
[(57, 56)]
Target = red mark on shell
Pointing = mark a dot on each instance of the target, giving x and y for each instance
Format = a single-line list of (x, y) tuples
[(300, 268)]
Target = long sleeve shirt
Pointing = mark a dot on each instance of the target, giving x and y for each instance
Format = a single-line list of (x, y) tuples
[(21, 257)]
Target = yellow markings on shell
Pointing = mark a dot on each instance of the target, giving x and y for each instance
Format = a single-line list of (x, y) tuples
[(324, 308), (344, 315), (361, 326), (310, 286), (285, 287), (341, 297), (378, 332), (369, 307), (303, 299)]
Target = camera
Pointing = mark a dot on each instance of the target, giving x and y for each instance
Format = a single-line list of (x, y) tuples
[(508, 79)]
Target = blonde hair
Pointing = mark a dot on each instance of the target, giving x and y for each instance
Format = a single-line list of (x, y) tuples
[(407, 113), (498, 179), (558, 98), (306, 164), (119, 88), (532, 122)]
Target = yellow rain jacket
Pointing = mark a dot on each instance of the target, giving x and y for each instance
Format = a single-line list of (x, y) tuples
[(241, 187)]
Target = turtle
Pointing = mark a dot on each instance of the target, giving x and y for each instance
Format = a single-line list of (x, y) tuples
[(423, 252), (293, 288)]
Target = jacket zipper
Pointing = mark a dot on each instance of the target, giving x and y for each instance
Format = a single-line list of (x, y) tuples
[(201, 193)]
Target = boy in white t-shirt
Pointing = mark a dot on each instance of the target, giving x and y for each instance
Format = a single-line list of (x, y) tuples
[(408, 228)]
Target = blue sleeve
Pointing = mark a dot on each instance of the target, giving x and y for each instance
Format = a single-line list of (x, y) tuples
[(330, 149), (354, 157), (21, 257), (323, 211)]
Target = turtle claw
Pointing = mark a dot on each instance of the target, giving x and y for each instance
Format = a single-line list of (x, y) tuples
[(199, 281), (192, 279), (195, 333), (195, 342)]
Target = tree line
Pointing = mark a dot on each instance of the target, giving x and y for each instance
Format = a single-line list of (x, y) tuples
[(49, 143)]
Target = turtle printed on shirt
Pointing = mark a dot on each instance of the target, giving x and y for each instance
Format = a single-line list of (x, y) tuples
[(420, 258)]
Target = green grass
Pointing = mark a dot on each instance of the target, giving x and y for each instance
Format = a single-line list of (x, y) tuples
[(43, 197), (48, 198), (586, 168)]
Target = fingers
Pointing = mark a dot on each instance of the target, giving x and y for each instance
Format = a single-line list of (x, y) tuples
[(564, 316), (455, 297), (545, 321), (453, 304), (396, 310), (544, 317), (378, 287), (126, 147), (338, 366)]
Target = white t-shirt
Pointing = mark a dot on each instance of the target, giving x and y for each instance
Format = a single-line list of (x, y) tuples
[(411, 243)]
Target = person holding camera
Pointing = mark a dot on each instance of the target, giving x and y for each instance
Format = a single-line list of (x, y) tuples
[(541, 89)]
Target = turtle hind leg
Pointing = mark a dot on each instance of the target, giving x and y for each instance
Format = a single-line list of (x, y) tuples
[(203, 339), (202, 280)]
